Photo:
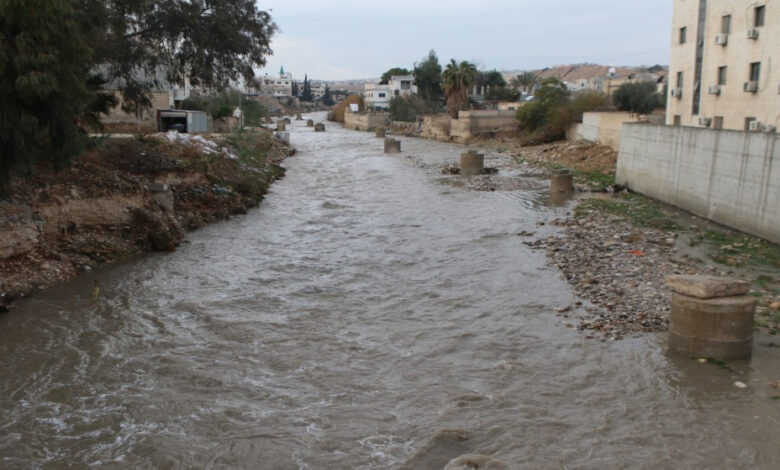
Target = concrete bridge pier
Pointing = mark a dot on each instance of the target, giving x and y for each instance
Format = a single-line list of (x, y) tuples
[(711, 317), (472, 163), (392, 146), (561, 181)]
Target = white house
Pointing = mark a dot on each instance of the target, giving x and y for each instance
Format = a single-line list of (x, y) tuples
[(377, 96)]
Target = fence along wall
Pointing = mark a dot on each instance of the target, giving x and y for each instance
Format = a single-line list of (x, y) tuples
[(730, 177)]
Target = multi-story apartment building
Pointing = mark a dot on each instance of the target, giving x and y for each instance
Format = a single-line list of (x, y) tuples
[(278, 87), (724, 69)]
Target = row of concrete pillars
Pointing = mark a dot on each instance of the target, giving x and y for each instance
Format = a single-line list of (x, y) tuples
[(711, 317)]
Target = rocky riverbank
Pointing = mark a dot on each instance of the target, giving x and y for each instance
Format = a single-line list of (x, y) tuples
[(616, 249), (124, 197)]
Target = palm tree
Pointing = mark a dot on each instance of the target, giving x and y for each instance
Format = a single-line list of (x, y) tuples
[(457, 80)]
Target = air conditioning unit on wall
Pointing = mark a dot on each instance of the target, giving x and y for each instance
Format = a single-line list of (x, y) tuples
[(714, 90), (721, 39), (752, 34), (751, 87), (705, 121), (754, 126), (676, 93)]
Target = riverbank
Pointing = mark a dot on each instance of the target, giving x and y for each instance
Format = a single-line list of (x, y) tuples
[(124, 197), (617, 248)]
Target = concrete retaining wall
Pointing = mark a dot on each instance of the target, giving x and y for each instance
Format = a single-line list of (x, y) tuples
[(604, 127), (730, 177), (364, 121)]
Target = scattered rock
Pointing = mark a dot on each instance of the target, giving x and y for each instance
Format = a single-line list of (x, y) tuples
[(740, 384)]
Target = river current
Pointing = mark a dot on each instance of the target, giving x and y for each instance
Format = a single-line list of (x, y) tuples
[(368, 314)]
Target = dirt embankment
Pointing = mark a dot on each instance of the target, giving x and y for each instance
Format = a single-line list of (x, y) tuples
[(124, 197)]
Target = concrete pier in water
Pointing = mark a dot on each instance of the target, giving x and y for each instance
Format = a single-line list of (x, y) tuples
[(392, 146), (472, 163), (561, 181), (711, 317)]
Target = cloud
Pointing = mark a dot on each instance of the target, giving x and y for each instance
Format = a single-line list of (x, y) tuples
[(329, 39)]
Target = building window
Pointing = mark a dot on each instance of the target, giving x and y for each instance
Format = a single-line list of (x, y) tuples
[(679, 79), (748, 121), (683, 35), (381, 95), (755, 71), (722, 72), (677, 120), (760, 16), (725, 24), (718, 123)]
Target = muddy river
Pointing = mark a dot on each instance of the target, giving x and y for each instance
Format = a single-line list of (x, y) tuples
[(371, 313)]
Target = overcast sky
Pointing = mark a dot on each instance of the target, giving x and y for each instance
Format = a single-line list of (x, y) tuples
[(341, 39)]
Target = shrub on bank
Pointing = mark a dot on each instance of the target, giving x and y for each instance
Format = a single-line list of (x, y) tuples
[(640, 97), (547, 118), (407, 109), (337, 115)]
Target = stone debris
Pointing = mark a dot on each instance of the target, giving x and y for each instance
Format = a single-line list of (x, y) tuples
[(209, 147), (598, 256)]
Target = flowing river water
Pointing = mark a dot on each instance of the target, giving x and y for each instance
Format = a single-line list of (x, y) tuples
[(369, 314)]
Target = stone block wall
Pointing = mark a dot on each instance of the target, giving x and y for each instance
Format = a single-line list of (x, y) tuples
[(436, 127), (365, 121)]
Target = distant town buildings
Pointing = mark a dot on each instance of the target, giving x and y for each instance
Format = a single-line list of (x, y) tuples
[(723, 67), (279, 87)]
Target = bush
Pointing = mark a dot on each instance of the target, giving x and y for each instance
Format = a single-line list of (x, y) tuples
[(502, 93), (639, 97), (407, 109), (550, 117), (551, 95), (340, 109)]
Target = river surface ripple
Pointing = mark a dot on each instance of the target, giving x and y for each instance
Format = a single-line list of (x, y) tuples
[(364, 307)]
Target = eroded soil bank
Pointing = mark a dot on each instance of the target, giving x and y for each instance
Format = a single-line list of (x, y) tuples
[(124, 197)]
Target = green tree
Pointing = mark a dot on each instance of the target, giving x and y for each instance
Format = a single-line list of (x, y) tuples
[(491, 79), (327, 99), (47, 91), (137, 42), (295, 90), (306, 94), (55, 55), (551, 94), (637, 97), (502, 93), (458, 78), (393, 72), (427, 75), (407, 108)]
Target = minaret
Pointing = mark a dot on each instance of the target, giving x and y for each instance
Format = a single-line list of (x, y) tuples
[(281, 71)]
